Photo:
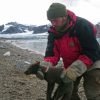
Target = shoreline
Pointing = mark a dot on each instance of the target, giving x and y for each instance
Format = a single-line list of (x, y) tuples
[(37, 46)]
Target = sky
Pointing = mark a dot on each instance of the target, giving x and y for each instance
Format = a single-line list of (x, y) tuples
[(33, 12)]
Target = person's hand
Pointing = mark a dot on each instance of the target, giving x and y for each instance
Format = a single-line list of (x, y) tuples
[(71, 73), (65, 78), (75, 70), (45, 64)]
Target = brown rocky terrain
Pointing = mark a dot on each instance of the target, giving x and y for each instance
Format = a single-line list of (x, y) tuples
[(14, 84)]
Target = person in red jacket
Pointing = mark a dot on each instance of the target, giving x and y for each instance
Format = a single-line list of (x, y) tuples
[(73, 39)]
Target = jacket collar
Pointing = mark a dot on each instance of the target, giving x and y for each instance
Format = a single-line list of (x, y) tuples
[(66, 28)]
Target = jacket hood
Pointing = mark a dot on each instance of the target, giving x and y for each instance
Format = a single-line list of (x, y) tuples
[(67, 27)]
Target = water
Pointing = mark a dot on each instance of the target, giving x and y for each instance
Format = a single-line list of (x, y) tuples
[(33, 42), (38, 46)]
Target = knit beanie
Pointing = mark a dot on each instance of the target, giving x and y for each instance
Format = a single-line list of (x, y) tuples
[(56, 10)]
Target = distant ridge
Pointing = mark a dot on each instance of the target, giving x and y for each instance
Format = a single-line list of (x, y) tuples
[(14, 27)]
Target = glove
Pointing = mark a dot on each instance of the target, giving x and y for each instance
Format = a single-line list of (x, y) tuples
[(45, 64), (72, 73), (75, 70), (65, 78), (44, 67)]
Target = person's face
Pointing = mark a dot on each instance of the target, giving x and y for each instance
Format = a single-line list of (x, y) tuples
[(58, 22)]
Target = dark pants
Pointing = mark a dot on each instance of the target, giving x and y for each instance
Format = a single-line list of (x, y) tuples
[(91, 85)]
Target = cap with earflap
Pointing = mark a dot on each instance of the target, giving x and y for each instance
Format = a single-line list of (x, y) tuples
[(56, 10)]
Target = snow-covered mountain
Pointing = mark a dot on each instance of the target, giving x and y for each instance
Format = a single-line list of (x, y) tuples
[(98, 29), (16, 30), (14, 27)]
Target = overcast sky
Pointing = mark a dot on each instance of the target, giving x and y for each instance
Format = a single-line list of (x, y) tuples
[(34, 11)]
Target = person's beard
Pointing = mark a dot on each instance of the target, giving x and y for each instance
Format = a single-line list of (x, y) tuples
[(60, 28)]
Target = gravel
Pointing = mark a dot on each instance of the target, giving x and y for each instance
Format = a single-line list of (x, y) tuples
[(14, 84)]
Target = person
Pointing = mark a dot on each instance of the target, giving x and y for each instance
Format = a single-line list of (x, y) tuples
[(73, 39)]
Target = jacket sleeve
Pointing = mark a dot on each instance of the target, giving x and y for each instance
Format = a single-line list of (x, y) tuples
[(90, 47), (52, 53)]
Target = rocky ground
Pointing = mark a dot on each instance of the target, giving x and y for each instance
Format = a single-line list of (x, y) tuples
[(14, 84)]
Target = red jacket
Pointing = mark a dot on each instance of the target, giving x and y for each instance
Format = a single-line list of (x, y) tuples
[(73, 44)]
